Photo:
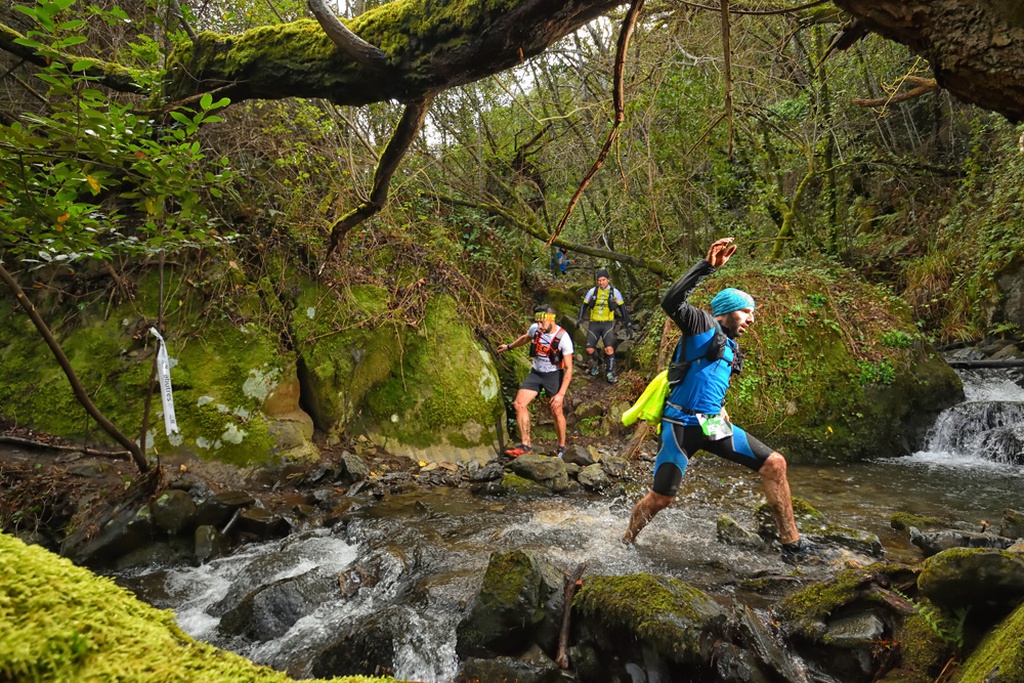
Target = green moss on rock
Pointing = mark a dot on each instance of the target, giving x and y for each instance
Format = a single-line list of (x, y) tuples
[(62, 623), (663, 612), (1000, 656), (446, 389), (221, 371)]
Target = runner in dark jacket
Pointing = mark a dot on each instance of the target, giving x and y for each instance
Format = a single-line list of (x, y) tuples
[(694, 416)]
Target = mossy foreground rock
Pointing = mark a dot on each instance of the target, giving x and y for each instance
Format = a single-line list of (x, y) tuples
[(673, 619), (62, 623), (1000, 657)]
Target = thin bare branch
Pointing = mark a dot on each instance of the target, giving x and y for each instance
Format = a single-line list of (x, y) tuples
[(922, 86), (65, 364), (628, 24)]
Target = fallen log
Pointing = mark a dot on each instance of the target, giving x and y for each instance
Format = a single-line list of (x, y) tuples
[(1004, 363)]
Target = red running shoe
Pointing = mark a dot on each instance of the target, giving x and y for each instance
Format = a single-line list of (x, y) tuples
[(521, 449)]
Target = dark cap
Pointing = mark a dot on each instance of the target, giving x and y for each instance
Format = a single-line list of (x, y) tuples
[(602, 273)]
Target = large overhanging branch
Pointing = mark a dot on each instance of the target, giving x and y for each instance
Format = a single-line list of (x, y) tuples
[(975, 48), (535, 229)]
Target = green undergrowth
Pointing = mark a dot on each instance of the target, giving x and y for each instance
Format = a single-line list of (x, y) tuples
[(62, 623)]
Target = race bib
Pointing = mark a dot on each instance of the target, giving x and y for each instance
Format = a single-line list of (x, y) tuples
[(715, 427)]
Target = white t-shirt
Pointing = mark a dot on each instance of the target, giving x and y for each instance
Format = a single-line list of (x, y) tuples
[(541, 362)]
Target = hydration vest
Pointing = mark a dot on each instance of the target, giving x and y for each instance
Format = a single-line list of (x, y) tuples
[(680, 365), (604, 304), (553, 350)]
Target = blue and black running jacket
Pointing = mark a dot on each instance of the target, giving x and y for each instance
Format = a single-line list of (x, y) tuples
[(703, 388)]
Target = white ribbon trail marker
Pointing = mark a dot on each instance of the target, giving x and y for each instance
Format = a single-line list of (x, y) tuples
[(163, 369)]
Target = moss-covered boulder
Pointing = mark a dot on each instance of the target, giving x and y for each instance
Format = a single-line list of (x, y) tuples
[(520, 602), (676, 621), (62, 623), (834, 368), (442, 401), (224, 369), (348, 344), (960, 576)]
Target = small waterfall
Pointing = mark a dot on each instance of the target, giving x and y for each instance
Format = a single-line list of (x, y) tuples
[(988, 425)]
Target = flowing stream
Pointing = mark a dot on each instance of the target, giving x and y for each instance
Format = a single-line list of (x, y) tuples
[(414, 561)]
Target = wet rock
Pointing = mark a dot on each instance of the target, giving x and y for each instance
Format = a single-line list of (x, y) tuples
[(902, 521), (519, 603), (545, 470), (217, 510), (733, 664), (351, 580), (210, 543), (269, 611), (731, 533), (579, 455), (593, 478), (497, 488), (1013, 524), (614, 465), (352, 468), (963, 577), (532, 667), (855, 631), (768, 649), (166, 552), (174, 511), (671, 619), (489, 472), (857, 540), (363, 647), (262, 523), (589, 409), (127, 530), (932, 542)]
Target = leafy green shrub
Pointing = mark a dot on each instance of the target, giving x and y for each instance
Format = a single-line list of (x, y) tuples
[(897, 339)]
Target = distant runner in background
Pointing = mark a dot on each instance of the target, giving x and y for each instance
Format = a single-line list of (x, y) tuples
[(603, 302), (563, 261)]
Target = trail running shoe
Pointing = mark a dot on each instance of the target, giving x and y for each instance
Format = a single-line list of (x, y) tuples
[(561, 452), (521, 449), (612, 379), (594, 369)]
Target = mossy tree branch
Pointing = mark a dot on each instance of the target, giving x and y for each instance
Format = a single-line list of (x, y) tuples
[(976, 49)]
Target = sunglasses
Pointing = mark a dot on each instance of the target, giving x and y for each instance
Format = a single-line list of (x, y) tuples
[(541, 317)]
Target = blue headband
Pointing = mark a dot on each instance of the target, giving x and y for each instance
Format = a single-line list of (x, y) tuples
[(731, 299)]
